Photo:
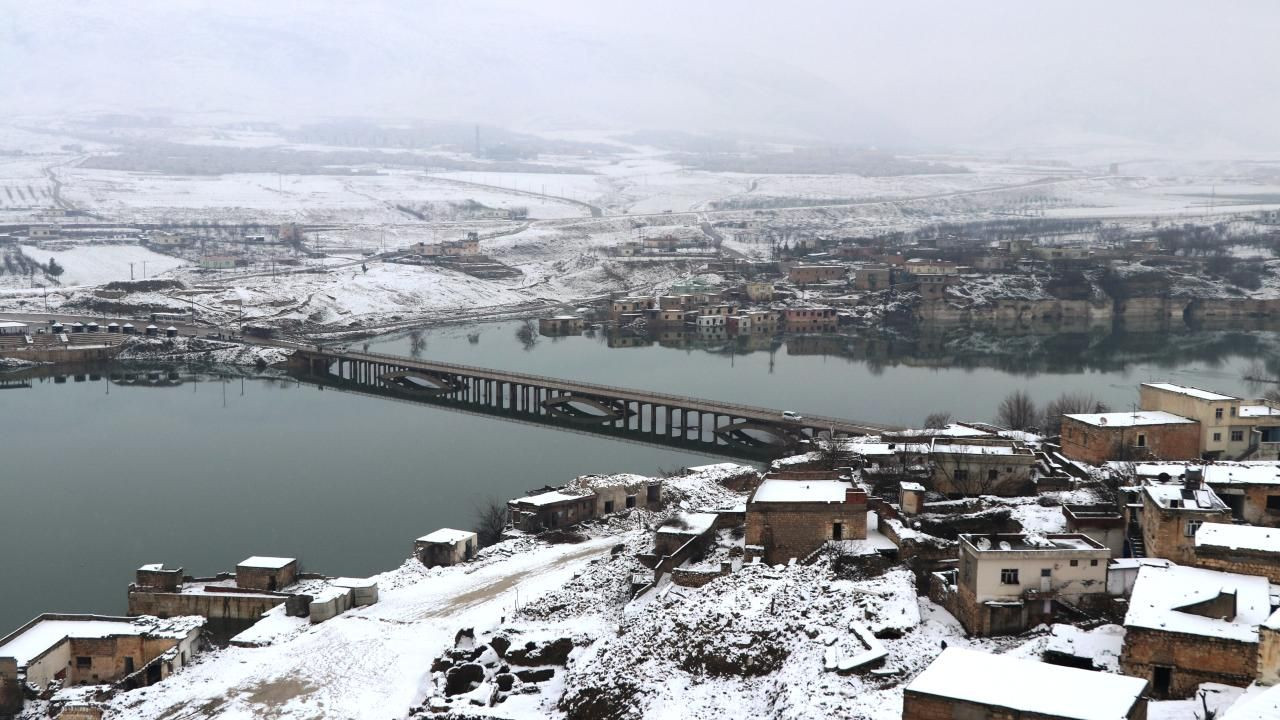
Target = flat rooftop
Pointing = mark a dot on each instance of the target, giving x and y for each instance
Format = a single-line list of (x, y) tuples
[(1238, 537), (1189, 391), (1131, 419), (1176, 497), (265, 562), (802, 491), (1250, 472), (46, 632), (447, 536), (1028, 686), (549, 498), (1015, 542)]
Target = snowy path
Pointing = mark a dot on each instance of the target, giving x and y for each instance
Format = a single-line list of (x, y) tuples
[(371, 662)]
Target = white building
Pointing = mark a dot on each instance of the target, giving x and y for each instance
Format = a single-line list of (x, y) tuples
[(13, 327)]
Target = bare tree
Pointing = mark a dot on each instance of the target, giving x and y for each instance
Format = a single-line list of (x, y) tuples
[(527, 334), (1069, 403), (938, 419), (1017, 411), (491, 520)]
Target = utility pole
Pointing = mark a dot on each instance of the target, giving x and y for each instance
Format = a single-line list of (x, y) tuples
[(130, 272)]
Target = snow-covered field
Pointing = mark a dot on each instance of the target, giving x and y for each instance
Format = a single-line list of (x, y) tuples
[(101, 264)]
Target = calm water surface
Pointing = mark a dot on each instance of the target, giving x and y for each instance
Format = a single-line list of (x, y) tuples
[(99, 478)]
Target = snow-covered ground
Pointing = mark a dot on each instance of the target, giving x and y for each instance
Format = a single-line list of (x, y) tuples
[(90, 265)]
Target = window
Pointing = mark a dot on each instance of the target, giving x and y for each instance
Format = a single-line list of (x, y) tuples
[(1191, 528), (83, 663), (1237, 436), (1009, 576), (651, 493), (631, 501), (1142, 440), (608, 506), (1233, 412), (1075, 563), (992, 474), (1273, 503), (961, 476), (1093, 563), (1217, 437), (1046, 572), (1217, 414)]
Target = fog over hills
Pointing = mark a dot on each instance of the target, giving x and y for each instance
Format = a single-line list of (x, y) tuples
[(914, 74)]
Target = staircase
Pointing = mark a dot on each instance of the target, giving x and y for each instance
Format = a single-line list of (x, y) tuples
[(1137, 547)]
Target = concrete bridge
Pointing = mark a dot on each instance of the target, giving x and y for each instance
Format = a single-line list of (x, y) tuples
[(654, 417)]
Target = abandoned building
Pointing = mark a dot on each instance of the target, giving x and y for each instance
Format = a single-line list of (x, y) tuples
[(1242, 549), (970, 684), (977, 466), (586, 498), (92, 650), (1187, 626), (792, 518), (1171, 514), (266, 573), (1006, 583), (561, 325), (1149, 434), (445, 547)]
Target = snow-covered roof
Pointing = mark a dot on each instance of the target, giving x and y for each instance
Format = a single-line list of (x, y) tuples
[(1161, 598), (1102, 645), (1258, 411), (951, 430), (1176, 497), (350, 582), (1259, 702), (1023, 542), (1252, 472), (32, 641), (1130, 419), (1238, 537), (963, 449), (1190, 391), (549, 498), (912, 486), (12, 324), (1028, 686), (827, 491), (689, 523), (266, 562), (447, 536)]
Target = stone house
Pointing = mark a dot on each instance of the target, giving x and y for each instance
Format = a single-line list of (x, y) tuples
[(976, 466), (759, 291), (1251, 488), (810, 274), (1104, 523), (873, 277), (792, 518), (266, 573), (1230, 427), (561, 325), (94, 649), (1242, 549), (1187, 626), (628, 306), (1171, 515), (551, 510), (446, 546), (964, 684), (809, 319), (1099, 437), (1006, 583)]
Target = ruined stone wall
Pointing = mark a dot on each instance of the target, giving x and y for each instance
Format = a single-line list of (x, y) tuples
[(1194, 659), (223, 610)]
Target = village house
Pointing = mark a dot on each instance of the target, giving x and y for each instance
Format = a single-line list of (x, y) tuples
[(964, 684), (629, 308), (809, 319), (1242, 549), (220, 262), (44, 232), (446, 546), (266, 573), (873, 277), (980, 466), (759, 291), (1171, 515), (792, 518), (811, 274), (93, 649), (1104, 523), (561, 325), (1187, 626), (1096, 438), (1251, 488), (1006, 583), (1231, 428), (586, 498)]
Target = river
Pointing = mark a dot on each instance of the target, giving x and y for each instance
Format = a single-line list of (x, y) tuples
[(100, 477)]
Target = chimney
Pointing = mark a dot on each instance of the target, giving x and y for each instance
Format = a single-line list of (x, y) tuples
[(855, 495)]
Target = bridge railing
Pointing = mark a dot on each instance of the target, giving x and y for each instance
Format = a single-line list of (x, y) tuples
[(816, 421)]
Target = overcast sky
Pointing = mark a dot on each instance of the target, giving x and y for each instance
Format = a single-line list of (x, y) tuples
[(916, 73)]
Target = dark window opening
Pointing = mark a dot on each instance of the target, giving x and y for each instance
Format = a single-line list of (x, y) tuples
[(652, 493), (608, 506), (1009, 576), (83, 663), (837, 531), (1162, 680), (1142, 440), (631, 501), (1273, 503)]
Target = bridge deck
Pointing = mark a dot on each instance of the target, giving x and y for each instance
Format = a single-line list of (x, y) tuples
[(817, 422)]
